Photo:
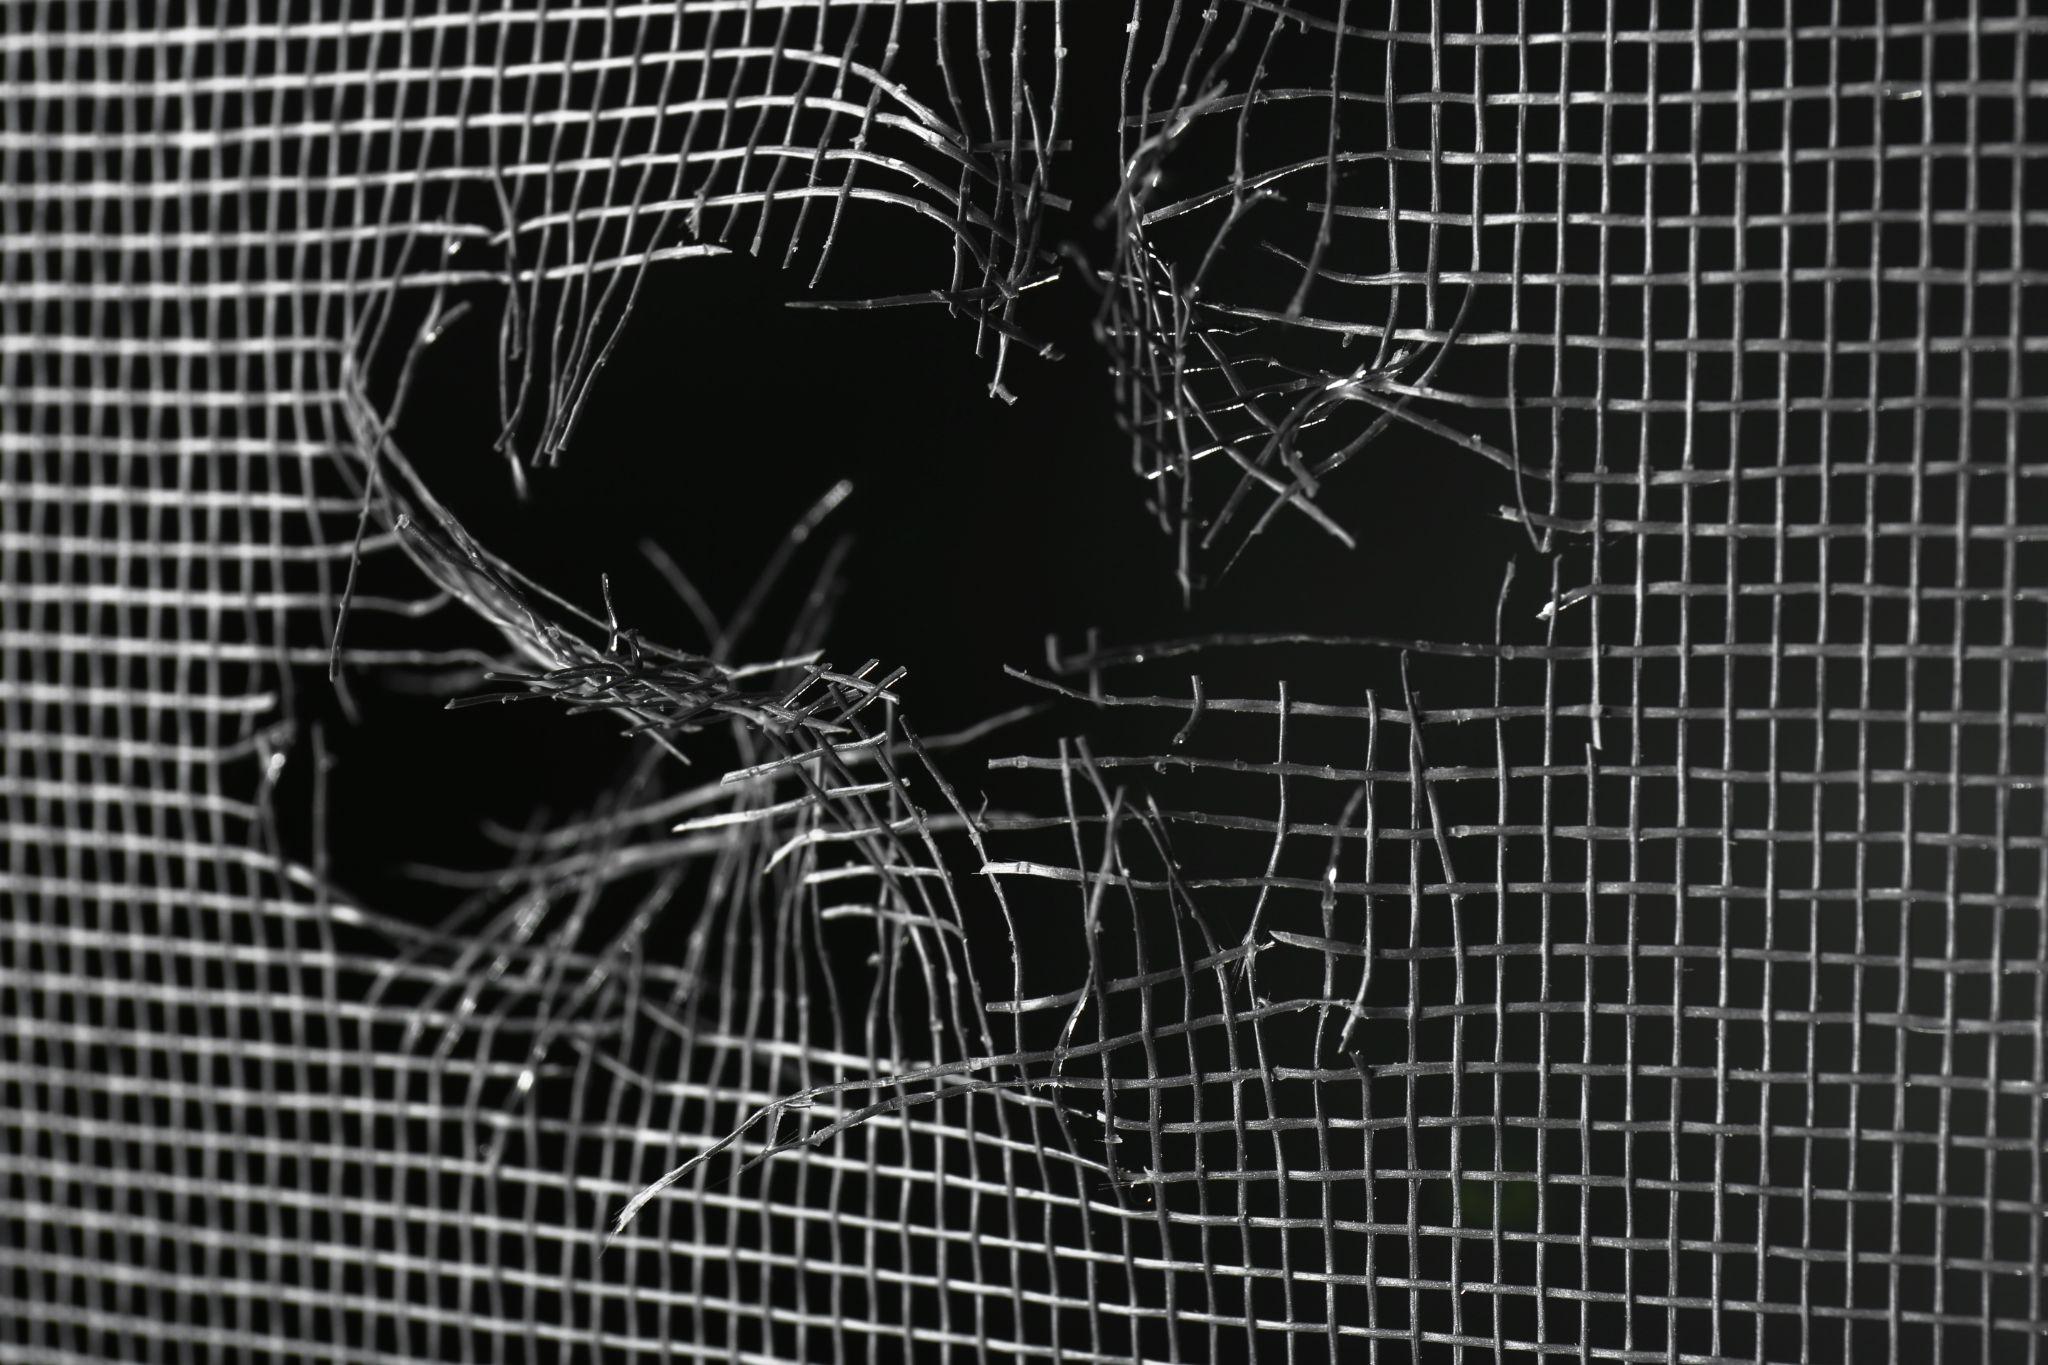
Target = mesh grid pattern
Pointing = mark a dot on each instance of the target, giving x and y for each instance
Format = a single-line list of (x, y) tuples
[(1662, 979)]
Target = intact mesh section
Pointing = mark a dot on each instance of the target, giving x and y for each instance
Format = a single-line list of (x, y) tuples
[(1661, 979)]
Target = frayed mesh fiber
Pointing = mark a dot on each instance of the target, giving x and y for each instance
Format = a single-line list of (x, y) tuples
[(1656, 976)]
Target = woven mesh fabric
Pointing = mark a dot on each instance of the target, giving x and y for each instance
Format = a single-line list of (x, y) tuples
[(1659, 979)]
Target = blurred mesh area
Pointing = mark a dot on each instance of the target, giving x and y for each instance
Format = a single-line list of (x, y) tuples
[(1659, 979)]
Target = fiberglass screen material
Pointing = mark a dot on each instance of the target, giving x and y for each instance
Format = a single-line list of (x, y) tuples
[(1073, 680)]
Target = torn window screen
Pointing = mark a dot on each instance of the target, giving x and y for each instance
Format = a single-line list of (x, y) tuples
[(1547, 862)]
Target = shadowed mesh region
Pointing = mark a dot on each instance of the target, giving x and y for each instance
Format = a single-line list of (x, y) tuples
[(1658, 976)]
